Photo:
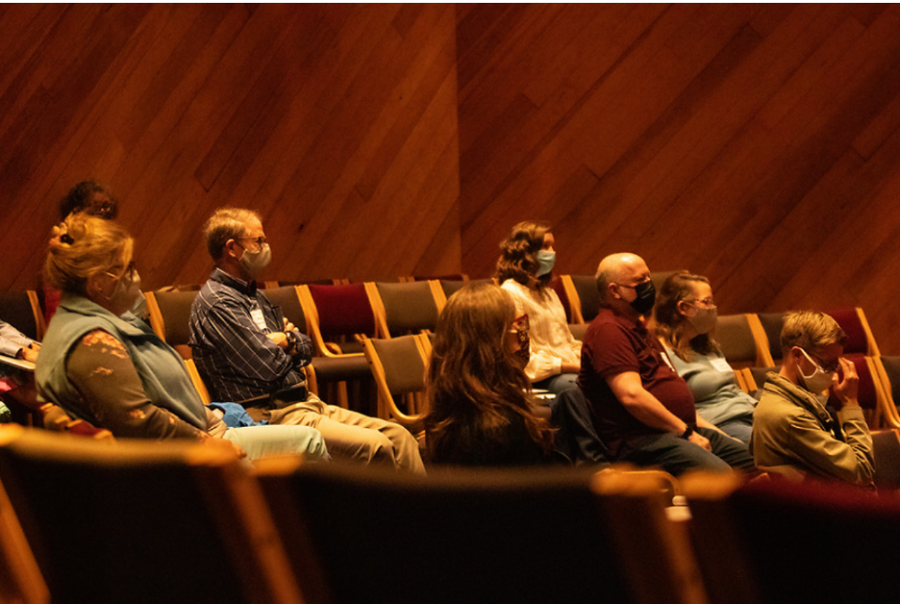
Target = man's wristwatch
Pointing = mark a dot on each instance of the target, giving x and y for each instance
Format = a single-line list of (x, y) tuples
[(687, 433), (293, 342)]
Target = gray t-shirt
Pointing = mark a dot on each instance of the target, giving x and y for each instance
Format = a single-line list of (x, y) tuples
[(714, 386)]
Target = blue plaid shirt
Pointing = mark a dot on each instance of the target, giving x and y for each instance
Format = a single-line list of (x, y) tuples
[(233, 355)]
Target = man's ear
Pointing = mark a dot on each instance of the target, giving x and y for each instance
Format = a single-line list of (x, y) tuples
[(231, 247), (613, 289)]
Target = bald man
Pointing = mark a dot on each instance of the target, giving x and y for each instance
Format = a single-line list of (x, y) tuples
[(642, 410)]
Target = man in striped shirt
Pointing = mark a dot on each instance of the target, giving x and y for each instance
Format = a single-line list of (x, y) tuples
[(245, 348)]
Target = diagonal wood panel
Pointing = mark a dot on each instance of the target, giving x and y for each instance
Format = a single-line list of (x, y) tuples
[(752, 143), (757, 144), (337, 123)]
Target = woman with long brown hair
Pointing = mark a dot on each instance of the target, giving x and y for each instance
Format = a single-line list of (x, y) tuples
[(685, 319), (478, 393)]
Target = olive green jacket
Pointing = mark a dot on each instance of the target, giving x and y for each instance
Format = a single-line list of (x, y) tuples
[(791, 428)]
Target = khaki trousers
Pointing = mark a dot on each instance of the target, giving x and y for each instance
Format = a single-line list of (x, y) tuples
[(352, 435)]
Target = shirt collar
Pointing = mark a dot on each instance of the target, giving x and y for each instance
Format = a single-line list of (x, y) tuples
[(220, 276)]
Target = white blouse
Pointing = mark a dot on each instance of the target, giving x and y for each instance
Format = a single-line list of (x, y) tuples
[(552, 344)]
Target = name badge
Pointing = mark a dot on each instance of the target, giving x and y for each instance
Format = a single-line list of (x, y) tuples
[(721, 364), (257, 315)]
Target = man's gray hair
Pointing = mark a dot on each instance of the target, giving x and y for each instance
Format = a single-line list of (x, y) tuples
[(226, 223)]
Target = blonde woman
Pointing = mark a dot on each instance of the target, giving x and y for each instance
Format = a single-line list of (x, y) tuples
[(102, 364)]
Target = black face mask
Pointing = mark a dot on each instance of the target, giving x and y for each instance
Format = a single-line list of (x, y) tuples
[(646, 297)]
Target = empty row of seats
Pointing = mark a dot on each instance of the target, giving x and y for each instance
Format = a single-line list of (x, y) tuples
[(81, 521)]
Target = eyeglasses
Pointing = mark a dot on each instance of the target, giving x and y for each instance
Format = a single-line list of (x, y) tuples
[(128, 273), (829, 367), (259, 240), (707, 302)]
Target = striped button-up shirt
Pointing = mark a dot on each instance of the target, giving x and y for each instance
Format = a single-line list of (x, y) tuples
[(233, 355)]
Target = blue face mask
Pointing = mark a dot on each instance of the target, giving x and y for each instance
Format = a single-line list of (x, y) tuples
[(546, 259)]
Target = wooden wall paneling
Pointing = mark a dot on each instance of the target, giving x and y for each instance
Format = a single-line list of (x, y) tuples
[(852, 239), (23, 28), (408, 198), (843, 107), (325, 173), (242, 143), (50, 127), (267, 184), (169, 61), (264, 107), (740, 164), (757, 144), (721, 117), (668, 159), (420, 87), (653, 195), (442, 252), (356, 198), (173, 168), (512, 146), (593, 116), (870, 140), (404, 193), (482, 34)]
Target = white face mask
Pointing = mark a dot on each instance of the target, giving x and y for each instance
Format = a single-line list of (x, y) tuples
[(126, 292), (820, 380), (255, 263)]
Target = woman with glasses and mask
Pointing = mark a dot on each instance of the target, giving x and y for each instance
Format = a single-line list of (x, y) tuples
[(478, 394), (684, 318), (102, 364)]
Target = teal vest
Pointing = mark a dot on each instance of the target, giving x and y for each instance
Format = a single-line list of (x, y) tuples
[(161, 369)]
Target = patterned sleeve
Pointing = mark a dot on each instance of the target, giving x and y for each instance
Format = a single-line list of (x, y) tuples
[(303, 351), (110, 387)]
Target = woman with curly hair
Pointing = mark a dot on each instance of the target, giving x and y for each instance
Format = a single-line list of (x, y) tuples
[(524, 269), (685, 318), (478, 394)]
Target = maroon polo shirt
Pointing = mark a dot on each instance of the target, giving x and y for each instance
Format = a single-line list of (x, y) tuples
[(613, 345)]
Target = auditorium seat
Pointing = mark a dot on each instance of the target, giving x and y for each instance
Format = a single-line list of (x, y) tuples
[(141, 521), (170, 317), (398, 368), (741, 339), (22, 310), (528, 536), (336, 315), (859, 335), (780, 542), (405, 308)]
